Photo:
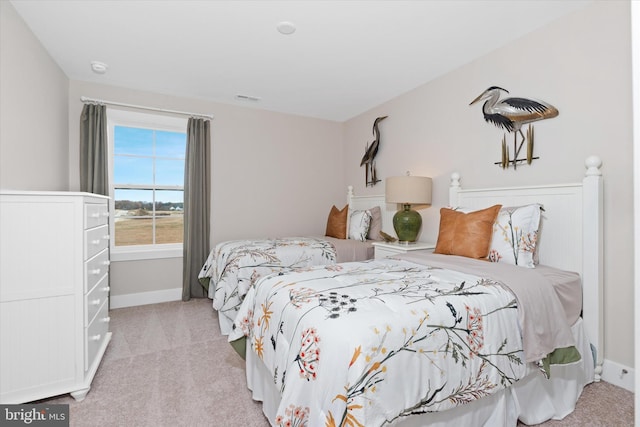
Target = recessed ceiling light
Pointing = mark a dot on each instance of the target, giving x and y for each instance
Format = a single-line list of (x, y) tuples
[(99, 67), (286, 28)]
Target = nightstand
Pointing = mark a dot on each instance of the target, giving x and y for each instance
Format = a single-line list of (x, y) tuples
[(384, 249)]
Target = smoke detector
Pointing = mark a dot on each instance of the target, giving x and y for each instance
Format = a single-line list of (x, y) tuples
[(99, 67)]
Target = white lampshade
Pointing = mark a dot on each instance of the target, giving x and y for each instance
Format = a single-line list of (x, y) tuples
[(414, 190)]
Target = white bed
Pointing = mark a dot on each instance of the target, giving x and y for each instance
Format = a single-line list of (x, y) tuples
[(233, 266), (571, 239)]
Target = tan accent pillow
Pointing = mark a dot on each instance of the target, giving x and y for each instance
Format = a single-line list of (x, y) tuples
[(466, 234), (337, 222)]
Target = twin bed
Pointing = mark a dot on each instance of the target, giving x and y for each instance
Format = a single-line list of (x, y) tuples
[(438, 339), (233, 266)]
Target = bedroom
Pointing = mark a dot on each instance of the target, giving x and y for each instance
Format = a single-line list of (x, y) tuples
[(581, 64)]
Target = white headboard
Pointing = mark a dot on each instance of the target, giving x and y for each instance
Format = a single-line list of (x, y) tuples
[(366, 202), (571, 233)]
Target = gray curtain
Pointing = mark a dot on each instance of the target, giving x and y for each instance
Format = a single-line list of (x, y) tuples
[(94, 150), (197, 195)]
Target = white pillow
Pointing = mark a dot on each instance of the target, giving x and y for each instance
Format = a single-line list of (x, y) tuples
[(359, 225), (515, 234)]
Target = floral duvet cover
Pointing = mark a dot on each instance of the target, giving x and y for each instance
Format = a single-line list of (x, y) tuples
[(233, 266), (365, 343)]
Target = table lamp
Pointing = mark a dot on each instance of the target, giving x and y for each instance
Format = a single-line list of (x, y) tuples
[(407, 190)]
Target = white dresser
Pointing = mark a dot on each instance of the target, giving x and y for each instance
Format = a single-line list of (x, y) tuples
[(54, 292)]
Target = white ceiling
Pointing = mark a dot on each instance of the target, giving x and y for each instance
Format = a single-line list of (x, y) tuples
[(344, 58)]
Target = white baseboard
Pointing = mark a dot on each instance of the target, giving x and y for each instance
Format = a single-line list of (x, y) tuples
[(143, 298), (618, 375)]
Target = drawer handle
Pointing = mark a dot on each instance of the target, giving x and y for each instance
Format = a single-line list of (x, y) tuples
[(95, 302), (106, 319), (105, 214), (95, 242), (106, 289), (95, 337), (95, 215), (95, 271), (106, 237), (107, 262)]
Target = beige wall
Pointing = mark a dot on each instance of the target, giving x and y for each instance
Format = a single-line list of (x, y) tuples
[(272, 175), (33, 110), (581, 64), (130, 277)]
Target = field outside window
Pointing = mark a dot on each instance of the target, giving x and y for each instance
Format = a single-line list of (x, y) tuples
[(148, 186)]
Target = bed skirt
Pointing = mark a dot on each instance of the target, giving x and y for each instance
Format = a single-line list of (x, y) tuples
[(533, 400), (226, 324)]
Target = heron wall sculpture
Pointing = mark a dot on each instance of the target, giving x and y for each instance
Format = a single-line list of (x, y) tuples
[(510, 114), (370, 152)]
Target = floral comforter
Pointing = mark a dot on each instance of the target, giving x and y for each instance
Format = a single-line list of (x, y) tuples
[(233, 266), (365, 343)]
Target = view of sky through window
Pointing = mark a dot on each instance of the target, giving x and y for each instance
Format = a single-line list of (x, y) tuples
[(148, 156)]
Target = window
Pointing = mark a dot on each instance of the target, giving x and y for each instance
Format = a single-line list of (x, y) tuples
[(147, 184)]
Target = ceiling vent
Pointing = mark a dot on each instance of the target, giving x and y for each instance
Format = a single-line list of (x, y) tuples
[(247, 98)]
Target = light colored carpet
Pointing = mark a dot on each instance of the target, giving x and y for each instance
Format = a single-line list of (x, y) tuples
[(168, 365)]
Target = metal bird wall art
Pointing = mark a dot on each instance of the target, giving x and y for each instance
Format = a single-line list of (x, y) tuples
[(511, 114), (370, 152)]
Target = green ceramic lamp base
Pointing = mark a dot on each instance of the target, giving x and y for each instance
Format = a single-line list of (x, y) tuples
[(407, 224)]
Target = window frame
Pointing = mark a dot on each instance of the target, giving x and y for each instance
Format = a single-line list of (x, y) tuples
[(117, 117)]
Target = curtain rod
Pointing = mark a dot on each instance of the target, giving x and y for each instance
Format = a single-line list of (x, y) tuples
[(141, 107)]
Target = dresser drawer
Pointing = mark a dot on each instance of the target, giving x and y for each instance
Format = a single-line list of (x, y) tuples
[(95, 334), (95, 298), (95, 214), (95, 240), (95, 269)]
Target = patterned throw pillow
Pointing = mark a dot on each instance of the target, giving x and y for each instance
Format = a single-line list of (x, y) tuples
[(515, 235), (359, 225)]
